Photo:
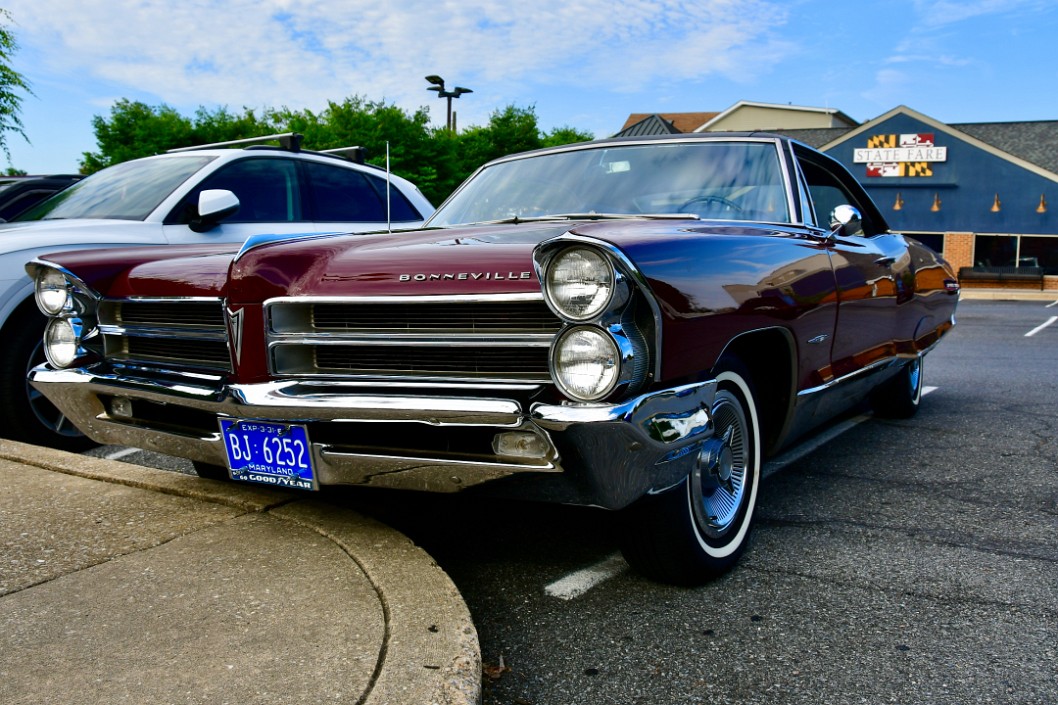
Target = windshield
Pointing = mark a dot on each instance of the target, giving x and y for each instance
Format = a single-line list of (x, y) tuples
[(720, 180), (127, 191)]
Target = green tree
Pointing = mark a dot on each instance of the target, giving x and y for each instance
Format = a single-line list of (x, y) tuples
[(566, 135), (135, 130), (435, 159), (11, 84), (220, 125)]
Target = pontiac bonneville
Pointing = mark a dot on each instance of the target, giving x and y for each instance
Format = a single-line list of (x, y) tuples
[(632, 324)]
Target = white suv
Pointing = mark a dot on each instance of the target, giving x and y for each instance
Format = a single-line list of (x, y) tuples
[(200, 195)]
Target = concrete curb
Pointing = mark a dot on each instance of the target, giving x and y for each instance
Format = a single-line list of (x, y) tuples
[(430, 652)]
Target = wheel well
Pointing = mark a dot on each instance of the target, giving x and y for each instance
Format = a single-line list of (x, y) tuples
[(770, 359), (27, 308)]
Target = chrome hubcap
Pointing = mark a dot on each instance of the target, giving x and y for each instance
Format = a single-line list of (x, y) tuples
[(718, 484)]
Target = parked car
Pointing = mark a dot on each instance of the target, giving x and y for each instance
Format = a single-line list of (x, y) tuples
[(20, 193), (632, 324), (207, 194)]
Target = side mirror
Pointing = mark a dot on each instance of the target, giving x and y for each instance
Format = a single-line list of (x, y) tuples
[(214, 205), (845, 220)]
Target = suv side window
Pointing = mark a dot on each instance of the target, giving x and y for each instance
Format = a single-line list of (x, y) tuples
[(340, 194), (267, 189)]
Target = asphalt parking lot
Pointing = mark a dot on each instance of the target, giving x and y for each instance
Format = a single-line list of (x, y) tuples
[(909, 562)]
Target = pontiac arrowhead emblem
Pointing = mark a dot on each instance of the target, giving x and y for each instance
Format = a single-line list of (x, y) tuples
[(235, 333)]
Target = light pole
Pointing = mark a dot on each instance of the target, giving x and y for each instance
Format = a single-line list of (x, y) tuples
[(439, 87)]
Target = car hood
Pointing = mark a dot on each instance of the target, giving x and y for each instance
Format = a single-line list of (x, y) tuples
[(487, 259), (192, 270), (479, 260)]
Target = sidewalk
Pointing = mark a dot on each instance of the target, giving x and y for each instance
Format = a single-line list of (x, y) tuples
[(981, 293), (122, 584)]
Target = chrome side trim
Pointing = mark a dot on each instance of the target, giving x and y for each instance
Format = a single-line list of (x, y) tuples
[(873, 367)]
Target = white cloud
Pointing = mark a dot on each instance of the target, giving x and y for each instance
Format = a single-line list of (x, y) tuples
[(301, 53), (937, 13)]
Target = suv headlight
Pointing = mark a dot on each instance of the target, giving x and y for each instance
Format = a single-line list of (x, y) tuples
[(579, 283), (53, 291), (585, 363)]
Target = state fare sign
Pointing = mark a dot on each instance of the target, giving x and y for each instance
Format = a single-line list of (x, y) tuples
[(900, 154), (889, 149)]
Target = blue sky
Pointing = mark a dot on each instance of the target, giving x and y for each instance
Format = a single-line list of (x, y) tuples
[(583, 63)]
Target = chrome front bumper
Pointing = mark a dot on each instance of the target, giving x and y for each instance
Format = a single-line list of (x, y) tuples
[(601, 454)]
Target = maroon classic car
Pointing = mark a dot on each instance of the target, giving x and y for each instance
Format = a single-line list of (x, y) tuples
[(627, 323)]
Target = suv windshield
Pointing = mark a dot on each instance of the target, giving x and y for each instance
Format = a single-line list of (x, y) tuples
[(726, 180), (128, 191)]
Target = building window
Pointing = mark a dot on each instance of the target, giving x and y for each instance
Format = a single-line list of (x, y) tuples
[(995, 251), (1039, 252), (933, 241)]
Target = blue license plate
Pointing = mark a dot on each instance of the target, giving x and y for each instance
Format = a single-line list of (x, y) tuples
[(269, 453)]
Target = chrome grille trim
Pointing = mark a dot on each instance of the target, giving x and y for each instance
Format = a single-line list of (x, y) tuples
[(182, 332), (498, 338)]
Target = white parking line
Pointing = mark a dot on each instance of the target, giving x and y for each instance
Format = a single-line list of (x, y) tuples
[(1052, 304), (123, 453), (1037, 329), (576, 584), (580, 582)]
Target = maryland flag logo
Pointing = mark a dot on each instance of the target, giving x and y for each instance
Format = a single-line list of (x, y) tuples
[(907, 155)]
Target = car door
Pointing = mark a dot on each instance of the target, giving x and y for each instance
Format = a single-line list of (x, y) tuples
[(871, 269), (270, 201)]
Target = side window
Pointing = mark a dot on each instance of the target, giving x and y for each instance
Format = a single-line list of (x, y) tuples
[(267, 189), (400, 207), (806, 204), (348, 195), (828, 193)]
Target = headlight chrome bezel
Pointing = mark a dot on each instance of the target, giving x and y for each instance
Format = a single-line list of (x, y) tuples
[(611, 290), (46, 287), (71, 310), (612, 317), (64, 353), (560, 369)]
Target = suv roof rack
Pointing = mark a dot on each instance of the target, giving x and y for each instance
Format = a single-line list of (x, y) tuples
[(355, 154), (290, 141)]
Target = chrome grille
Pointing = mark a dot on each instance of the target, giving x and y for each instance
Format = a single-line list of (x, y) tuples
[(200, 314), (185, 333), (476, 363), (476, 317), (499, 338)]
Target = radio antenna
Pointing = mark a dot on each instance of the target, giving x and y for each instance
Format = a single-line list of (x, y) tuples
[(389, 219)]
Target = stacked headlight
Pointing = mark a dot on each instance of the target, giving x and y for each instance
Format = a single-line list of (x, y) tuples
[(586, 363), (62, 341), (599, 352), (580, 283), (53, 292), (71, 308)]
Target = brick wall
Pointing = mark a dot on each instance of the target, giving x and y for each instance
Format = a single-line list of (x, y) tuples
[(959, 249)]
